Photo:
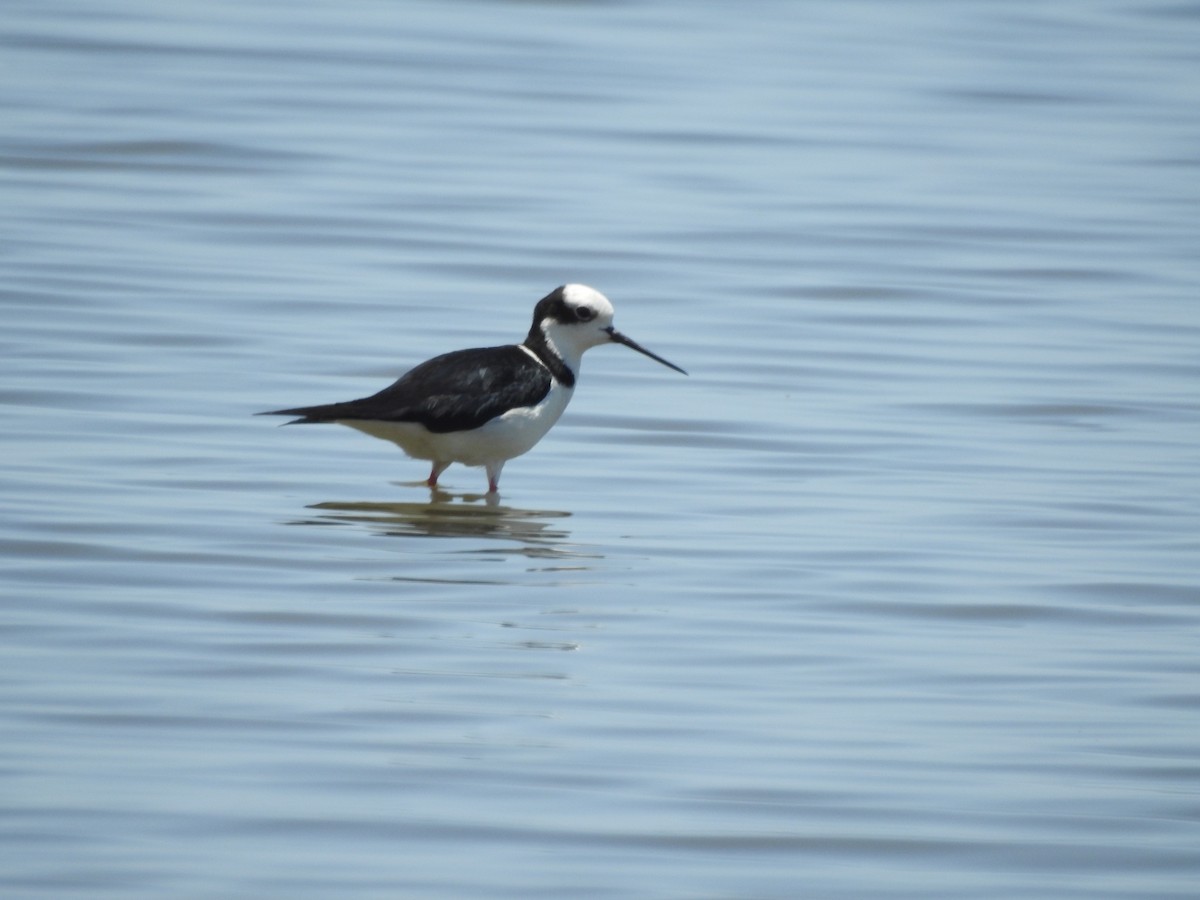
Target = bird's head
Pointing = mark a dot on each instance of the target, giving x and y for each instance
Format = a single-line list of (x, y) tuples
[(574, 318)]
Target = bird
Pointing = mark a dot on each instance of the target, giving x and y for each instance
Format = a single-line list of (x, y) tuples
[(487, 405)]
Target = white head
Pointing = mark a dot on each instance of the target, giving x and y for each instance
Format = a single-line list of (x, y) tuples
[(574, 318)]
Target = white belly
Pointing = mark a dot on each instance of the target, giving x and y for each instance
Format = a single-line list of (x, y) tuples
[(504, 437)]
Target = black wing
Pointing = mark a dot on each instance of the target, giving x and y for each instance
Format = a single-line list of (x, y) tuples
[(456, 391)]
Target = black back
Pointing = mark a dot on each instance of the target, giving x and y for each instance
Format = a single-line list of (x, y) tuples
[(456, 391)]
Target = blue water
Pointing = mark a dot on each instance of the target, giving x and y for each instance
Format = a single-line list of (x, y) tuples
[(897, 595)]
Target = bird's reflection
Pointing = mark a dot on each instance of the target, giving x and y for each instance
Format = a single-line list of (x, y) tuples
[(538, 532)]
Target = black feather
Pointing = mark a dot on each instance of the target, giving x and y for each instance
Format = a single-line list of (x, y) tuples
[(456, 391)]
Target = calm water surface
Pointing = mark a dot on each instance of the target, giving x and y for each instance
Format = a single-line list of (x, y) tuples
[(897, 595)]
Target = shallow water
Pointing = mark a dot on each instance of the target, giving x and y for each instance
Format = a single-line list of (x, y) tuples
[(896, 595)]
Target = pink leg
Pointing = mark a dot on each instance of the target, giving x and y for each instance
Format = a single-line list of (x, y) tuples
[(438, 469), (493, 474)]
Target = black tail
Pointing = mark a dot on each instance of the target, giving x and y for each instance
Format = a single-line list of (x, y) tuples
[(307, 415)]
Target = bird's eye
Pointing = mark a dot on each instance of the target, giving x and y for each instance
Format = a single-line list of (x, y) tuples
[(585, 313)]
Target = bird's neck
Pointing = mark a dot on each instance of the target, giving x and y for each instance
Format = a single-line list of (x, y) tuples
[(562, 365)]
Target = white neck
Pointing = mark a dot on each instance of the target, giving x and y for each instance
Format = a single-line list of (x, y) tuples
[(559, 341)]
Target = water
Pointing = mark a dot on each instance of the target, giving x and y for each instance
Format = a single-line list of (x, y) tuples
[(896, 595)]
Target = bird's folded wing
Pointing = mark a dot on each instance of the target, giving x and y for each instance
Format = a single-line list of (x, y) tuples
[(456, 391)]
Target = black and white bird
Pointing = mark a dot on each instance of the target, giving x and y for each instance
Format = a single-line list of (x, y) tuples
[(483, 407)]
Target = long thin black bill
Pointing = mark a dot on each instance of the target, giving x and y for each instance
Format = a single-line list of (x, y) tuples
[(634, 345)]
